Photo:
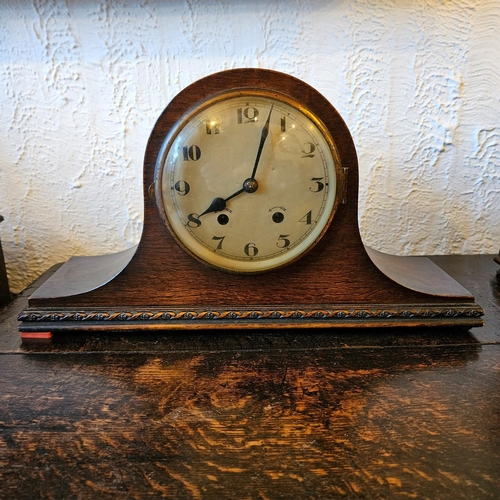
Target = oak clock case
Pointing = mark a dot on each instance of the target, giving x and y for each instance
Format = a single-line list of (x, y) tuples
[(250, 221)]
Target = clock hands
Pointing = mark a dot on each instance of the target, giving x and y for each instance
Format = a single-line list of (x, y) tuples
[(250, 185), (263, 137), (219, 204)]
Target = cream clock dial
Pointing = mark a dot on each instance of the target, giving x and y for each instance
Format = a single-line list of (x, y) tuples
[(248, 181)]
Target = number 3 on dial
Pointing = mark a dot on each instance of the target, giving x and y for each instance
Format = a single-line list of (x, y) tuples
[(248, 181)]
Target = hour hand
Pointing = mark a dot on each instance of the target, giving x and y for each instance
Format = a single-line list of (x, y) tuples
[(217, 205)]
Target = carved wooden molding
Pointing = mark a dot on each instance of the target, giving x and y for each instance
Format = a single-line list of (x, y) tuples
[(374, 312)]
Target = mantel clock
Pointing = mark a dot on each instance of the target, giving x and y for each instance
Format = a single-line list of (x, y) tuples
[(250, 221)]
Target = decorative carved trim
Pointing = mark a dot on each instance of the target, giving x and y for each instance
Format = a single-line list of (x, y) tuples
[(370, 312)]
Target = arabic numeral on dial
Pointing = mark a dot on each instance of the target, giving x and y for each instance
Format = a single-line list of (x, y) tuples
[(247, 115), (251, 250), (212, 127), (220, 239), (307, 218), (191, 153), (308, 149), (182, 187), (283, 241), (319, 185), (283, 124), (193, 221)]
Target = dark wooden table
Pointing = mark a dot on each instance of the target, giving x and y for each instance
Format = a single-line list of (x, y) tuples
[(256, 415)]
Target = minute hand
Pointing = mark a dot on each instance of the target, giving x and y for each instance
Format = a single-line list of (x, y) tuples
[(263, 137)]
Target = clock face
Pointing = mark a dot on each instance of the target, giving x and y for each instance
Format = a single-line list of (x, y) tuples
[(248, 181)]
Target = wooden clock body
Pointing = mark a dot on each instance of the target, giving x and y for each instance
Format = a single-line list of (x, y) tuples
[(339, 283)]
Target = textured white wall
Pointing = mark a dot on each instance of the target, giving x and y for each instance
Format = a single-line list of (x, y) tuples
[(83, 81)]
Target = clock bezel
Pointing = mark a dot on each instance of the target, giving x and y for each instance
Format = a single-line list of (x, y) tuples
[(156, 190)]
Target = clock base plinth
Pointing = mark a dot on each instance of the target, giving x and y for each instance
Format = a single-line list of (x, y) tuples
[(322, 316), (69, 301)]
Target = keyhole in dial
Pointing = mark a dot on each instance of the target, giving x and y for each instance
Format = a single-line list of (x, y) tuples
[(222, 219), (278, 217)]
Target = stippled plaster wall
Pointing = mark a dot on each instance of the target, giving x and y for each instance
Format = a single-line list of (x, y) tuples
[(83, 81)]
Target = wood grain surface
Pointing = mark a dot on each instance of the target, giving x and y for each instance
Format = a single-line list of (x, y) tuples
[(256, 415), (325, 424)]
